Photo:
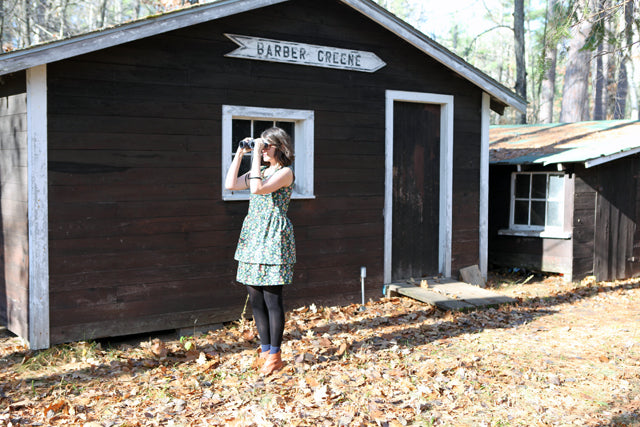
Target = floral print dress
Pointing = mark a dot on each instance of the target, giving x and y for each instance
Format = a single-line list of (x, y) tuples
[(266, 249)]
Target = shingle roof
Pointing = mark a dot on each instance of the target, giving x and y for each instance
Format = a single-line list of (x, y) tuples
[(593, 142)]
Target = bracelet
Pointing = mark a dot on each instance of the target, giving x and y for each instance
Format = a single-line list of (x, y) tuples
[(245, 181), (255, 177)]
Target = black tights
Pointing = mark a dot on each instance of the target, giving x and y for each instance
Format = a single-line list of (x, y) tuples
[(268, 313)]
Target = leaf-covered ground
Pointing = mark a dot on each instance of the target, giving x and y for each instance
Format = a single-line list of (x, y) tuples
[(566, 354)]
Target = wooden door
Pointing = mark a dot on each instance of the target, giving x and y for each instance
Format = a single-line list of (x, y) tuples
[(416, 190), (615, 221)]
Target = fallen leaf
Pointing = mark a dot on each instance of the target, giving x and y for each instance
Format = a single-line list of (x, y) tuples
[(158, 348), (342, 349), (60, 405)]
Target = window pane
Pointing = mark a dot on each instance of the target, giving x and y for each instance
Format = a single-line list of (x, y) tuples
[(240, 129), (260, 126), (537, 213), (554, 214), (521, 213), (556, 187), (522, 186), (539, 186), (290, 128)]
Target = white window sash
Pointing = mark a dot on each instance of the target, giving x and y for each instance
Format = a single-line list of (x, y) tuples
[(513, 199), (304, 135)]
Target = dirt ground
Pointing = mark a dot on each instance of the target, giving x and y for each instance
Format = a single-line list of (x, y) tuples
[(564, 355)]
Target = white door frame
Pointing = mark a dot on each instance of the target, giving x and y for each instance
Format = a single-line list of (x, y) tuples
[(446, 175)]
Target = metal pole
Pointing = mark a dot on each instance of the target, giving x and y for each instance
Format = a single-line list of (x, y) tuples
[(363, 274)]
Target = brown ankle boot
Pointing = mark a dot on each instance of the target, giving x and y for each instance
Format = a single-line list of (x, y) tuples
[(272, 364), (260, 359)]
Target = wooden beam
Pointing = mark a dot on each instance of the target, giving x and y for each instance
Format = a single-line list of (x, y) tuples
[(38, 207), (449, 295), (484, 185)]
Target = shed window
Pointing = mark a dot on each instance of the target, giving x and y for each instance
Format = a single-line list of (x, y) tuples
[(239, 122), (537, 201)]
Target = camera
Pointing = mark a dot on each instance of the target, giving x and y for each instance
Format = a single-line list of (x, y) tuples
[(249, 143)]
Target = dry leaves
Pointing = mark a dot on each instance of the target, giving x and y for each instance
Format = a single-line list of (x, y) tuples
[(566, 355)]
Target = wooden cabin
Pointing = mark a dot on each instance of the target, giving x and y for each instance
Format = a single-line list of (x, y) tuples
[(115, 143), (565, 198)]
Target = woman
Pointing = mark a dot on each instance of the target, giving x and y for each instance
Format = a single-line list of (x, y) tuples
[(266, 248)]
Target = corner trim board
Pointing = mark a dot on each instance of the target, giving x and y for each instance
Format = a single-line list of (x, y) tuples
[(38, 207), (484, 184)]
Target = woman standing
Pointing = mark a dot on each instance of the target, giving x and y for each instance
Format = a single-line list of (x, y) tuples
[(266, 248)]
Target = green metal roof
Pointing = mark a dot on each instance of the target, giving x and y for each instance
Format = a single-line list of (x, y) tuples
[(593, 142)]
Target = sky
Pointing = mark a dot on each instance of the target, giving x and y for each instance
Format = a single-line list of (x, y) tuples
[(437, 15)]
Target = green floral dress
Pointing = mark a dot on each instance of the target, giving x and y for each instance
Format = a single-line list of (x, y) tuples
[(266, 249)]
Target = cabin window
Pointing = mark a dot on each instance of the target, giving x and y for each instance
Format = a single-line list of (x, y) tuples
[(239, 122), (537, 201)]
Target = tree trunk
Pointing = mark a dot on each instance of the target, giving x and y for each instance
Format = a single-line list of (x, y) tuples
[(64, 25), (633, 92), (1, 27), (575, 93), (548, 89), (622, 89), (599, 104), (521, 71), (137, 9), (599, 100), (103, 14), (27, 23)]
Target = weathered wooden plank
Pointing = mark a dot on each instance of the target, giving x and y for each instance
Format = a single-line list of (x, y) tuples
[(132, 192), (124, 142), (133, 325), (471, 294), (38, 207), (421, 294), (13, 104)]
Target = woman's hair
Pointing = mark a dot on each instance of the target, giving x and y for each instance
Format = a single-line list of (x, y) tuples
[(281, 140)]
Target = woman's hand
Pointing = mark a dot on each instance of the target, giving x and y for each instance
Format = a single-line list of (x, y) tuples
[(258, 145), (241, 151)]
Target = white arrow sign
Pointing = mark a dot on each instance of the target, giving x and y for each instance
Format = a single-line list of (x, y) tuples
[(304, 54)]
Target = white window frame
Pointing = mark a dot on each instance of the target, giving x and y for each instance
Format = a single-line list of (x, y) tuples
[(304, 145), (538, 230)]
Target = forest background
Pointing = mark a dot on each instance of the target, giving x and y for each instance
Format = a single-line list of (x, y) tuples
[(573, 60)]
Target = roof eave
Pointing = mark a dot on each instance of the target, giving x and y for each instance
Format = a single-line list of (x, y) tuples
[(55, 51), (559, 159), (606, 159)]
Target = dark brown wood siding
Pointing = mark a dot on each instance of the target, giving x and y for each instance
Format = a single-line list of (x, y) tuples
[(140, 238), (584, 220), (14, 236), (608, 205)]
